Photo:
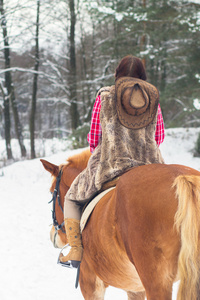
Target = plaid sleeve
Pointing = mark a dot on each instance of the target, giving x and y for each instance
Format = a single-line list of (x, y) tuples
[(94, 135), (160, 130)]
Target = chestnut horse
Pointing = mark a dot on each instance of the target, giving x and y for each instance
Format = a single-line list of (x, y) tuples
[(142, 236)]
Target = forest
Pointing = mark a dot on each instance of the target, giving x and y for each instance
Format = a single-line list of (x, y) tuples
[(56, 54)]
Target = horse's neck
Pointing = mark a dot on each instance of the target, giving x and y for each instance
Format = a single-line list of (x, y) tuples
[(72, 173)]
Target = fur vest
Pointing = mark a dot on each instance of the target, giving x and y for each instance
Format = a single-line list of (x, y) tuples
[(119, 150)]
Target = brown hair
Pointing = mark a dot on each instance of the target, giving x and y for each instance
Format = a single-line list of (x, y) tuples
[(131, 66)]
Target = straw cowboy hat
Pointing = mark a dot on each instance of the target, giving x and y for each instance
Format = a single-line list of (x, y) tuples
[(136, 102)]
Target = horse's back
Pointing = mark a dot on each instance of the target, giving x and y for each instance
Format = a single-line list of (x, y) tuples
[(150, 185), (155, 173)]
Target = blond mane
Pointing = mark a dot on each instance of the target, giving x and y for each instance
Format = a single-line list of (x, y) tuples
[(80, 160)]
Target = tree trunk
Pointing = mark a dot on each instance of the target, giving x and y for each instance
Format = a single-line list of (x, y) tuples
[(143, 37), (35, 82), (6, 111), (9, 84), (72, 69)]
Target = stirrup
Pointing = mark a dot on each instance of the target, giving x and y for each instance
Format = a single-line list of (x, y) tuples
[(70, 263)]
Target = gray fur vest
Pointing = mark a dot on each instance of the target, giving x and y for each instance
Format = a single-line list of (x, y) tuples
[(119, 150)]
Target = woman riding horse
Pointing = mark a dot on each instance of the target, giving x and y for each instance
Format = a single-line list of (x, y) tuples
[(127, 135)]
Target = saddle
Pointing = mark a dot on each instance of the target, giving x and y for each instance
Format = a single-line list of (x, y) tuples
[(90, 205)]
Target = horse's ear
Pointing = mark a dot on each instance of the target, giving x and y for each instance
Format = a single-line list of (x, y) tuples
[(53, 169)]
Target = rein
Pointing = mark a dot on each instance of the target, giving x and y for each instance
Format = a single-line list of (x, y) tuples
[(56, 195)]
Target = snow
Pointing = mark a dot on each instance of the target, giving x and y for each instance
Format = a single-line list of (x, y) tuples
[(28, 261), (194, 1)]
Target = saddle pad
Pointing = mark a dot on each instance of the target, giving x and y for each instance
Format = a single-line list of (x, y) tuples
[(87, 212)]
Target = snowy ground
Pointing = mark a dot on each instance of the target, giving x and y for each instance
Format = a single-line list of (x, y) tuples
[(28, 268)]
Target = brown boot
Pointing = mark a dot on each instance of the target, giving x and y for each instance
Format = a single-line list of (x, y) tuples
[(74, 257)]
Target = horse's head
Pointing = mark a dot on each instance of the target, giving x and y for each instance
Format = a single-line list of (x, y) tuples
[(63, 177)]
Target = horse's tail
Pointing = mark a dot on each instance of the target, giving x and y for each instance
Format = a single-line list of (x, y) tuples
[(187, 222)]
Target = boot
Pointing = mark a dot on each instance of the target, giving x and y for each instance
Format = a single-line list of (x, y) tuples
[(74, 257)]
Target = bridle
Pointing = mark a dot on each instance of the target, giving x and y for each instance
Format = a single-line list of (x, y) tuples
[(56, 195)]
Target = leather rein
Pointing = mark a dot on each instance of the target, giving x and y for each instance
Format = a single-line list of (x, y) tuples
[(56, 196)]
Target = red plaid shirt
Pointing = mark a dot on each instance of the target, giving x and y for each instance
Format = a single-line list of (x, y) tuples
[(96, 131)]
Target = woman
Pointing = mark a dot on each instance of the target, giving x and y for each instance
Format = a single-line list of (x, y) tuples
[(126, 135)]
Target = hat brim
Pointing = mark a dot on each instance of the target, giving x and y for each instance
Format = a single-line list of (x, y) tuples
[(142, 117)]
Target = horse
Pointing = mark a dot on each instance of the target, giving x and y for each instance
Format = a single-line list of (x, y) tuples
[(142, 236)]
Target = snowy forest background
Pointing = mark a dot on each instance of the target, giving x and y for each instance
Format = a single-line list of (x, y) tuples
[(56, 54)]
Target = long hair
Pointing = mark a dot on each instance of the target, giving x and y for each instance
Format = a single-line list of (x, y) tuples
[(131, 66)]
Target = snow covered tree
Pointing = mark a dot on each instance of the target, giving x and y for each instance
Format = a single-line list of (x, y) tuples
[(165, 34), (6, 111), (10, 93), (72, 68), (35, 85)]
